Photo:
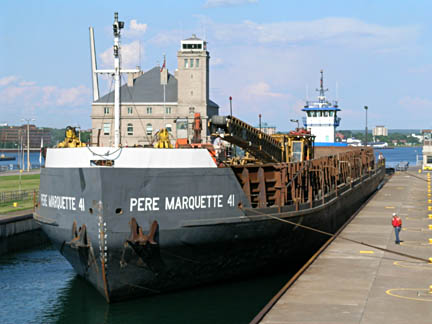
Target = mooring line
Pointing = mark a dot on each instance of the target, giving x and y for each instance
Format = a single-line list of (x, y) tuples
[(342, 237)]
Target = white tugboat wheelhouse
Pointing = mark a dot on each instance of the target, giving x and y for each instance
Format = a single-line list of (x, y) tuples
[(322, 119)]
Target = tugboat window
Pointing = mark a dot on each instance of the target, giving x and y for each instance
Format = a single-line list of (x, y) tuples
[(130, 129), (331, 113), (168, 127), (297, 152), (325, 113), (149, 129), (106, 128)]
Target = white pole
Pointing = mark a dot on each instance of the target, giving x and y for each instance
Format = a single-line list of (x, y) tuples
[(28, 145), (95, 82), (116, 82)]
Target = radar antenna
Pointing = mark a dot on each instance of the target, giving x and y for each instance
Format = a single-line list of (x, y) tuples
[(321, 89)]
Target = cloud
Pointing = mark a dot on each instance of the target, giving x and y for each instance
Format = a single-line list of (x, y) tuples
[(8, 80), (332, 31), (415, 103), (169, 37), (130, 54), (135, 29), (28, 94), (261, 89), (227, 3)]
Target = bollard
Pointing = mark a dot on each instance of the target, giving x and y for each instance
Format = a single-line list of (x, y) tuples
[(15, 204), (419, 171), (430, 260), (430, 227), (430, 289), (430, 216), (430, 201), (429, 207), (430, 241)]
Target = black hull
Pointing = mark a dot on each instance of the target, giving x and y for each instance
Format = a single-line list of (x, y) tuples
[(194, 250)]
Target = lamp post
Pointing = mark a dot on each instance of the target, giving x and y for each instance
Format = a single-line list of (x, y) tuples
[(230, 99), (259, 116), (366, 127), (28, 141), (295, 121)]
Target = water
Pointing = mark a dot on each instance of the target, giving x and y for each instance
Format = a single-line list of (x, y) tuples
[(399, 154), (15, 164), (40, 286)]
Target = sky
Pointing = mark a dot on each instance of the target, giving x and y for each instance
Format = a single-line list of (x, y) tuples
[(266, 54)]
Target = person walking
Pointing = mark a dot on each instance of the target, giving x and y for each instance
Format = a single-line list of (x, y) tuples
[(397, 224)]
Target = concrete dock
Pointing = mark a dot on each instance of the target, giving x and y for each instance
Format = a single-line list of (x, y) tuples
[(353, 283), (19, 231)]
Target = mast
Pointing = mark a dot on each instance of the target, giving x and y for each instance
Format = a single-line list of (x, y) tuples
[(117, 26), (116, 29)]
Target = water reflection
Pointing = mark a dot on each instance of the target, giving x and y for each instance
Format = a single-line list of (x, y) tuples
[(234, 302), (39, 286)]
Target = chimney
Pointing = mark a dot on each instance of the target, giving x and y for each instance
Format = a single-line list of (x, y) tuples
[(164, 76), (133, 76)]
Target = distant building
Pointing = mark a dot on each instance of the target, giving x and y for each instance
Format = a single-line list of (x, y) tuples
[(157, 99), (14, 135), (269, 130), (380, 131)]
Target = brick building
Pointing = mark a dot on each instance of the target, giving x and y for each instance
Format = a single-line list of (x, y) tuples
[(13, 135)]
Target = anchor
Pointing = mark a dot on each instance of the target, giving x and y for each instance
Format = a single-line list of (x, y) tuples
[(145, 246)]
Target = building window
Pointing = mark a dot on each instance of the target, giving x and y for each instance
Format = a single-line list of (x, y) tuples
[(130, 110), (106, 110), (325, 113), (197, 63), (129, 129), (149, 110), (191, 110), (186, 63), (106, 128), (168, 110), (168, 127), (149, 129), (191, 63)]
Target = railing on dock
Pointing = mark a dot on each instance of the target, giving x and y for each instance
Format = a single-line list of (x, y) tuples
[(18, 195)]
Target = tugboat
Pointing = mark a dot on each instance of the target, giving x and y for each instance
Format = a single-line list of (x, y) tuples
[(137, 221)]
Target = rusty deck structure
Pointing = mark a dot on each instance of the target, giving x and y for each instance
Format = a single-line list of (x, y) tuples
[(308, 183)]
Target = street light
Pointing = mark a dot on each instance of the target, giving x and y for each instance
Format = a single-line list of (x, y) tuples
[(295, 121), (366, 128), (28, 120)]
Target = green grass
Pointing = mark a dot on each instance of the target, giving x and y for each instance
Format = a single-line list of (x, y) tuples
[(22, 205), (11, 183)]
